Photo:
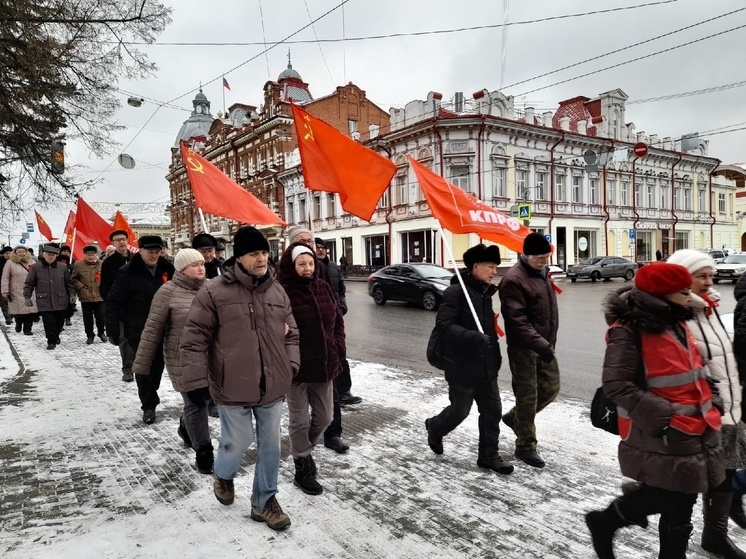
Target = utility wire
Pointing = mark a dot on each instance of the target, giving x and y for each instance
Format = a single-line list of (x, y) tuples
[(321, 50), (687, 93), (625, 48), (632, 60), (409, 34), (264, 37)]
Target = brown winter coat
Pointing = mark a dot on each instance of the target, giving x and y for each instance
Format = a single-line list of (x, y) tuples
[(13, 280), (51, 285), (235, 337), (529, 307), (166, 319), (676, 461), (86, 279), (320, 323)]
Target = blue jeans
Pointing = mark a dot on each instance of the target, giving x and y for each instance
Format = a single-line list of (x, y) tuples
[(237, 434)]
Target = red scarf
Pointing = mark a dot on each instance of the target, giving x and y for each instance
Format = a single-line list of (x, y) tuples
[(711, 304)]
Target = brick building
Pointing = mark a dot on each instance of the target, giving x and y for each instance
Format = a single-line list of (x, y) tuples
[(250, 144)]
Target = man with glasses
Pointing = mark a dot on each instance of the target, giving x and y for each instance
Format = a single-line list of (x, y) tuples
[(206, 244), (528, 300)]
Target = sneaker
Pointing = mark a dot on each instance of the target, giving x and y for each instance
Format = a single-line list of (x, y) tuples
[(51, 346), (347, 399), (434, 441), (272, 514), (148, 416), (89, 341), (496, 463), (103, 338), (127, 376), (336, 444), (224, 492), (530, 457)]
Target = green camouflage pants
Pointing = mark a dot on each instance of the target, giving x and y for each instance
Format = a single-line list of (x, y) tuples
[(535, 385)]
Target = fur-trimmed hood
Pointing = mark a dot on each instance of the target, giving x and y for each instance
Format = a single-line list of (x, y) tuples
[(17, 258), (643, 311)]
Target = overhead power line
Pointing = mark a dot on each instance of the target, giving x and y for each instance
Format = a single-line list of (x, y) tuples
[(681, 29), (404, 34), (650, 55), (687, 93)]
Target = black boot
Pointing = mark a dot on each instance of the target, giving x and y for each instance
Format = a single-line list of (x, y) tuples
[(715, 538), (673, 540), (205, 459), (183, 433), (603, 524), (305, 478), (736, 510)]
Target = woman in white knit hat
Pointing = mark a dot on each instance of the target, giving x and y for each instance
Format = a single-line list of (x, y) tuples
[(166, 319), (716, 350)]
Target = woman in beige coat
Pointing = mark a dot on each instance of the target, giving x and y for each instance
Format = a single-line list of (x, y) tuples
[(162, 332), (11, 287)]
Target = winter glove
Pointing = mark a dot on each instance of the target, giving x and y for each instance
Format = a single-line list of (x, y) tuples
[(476, 338), (28, 302), (547, 354), (199, 397), (73, 300)]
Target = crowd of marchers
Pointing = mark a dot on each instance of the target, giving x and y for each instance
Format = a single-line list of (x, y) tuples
[(240, 337)]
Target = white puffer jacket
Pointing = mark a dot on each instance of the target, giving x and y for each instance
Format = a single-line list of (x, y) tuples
[(716, 350)]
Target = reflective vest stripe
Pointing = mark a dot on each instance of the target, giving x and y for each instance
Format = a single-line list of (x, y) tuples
[(669, 381)]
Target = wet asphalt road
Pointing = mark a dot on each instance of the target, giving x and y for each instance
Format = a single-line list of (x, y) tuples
[(396, 334)]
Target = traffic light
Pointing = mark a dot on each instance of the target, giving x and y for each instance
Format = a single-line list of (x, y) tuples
[(58, 157)]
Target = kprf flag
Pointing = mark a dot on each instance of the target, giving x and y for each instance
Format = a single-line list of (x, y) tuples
[(92, 225), (225, 84), (43, 226), (332, 162), (460, 212), (217, 194)]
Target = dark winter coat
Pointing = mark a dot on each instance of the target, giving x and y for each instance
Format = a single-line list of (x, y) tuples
[(336, 280), (320, 322), (86, 278), (739, 325), (51, 284), (130, 296), (214, 268), (235, 337), (165, 324), (676, 461), (109, 268), (529, 308), (472, 357)]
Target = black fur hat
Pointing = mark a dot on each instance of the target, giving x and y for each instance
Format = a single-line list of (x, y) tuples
[(204, 240), (481, 253), (536, 244)]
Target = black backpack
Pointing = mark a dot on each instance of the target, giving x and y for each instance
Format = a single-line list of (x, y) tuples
[(436, 349)]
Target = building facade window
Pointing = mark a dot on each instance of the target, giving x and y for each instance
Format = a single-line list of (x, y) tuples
[(541, 181), (593, 191), (401, 189), (560, 188), (687, 196), (377, 250), (677, 197), (352, 126), (577, 194), (665, 197), (417, 246), (682, 240), (520, 185), (645, 245), (721, 202), (331, 204), (585, 244), (317, 207), (499, 189), (384, 203), (638, 193), (460, 177), (414, 192), (291, 212), (611, 192), (624, 194), (302, 209), (651, 194), (701, 197)]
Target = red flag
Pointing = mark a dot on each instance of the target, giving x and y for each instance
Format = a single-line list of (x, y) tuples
[(43, 227), (226, 86), (217, 194), (460, 212), (332, 162), (67, 234), (92, 225), (120, 222), (78, 244)]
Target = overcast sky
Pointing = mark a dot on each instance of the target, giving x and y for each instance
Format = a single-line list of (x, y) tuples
[(396, 70)]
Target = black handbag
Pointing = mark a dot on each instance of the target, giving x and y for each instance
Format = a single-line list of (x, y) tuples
[(604, 413)]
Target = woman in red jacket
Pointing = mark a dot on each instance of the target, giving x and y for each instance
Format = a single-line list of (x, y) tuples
[(668, 421), (322, 348)]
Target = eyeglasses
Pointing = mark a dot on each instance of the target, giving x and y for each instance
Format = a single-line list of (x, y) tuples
[(540, 256)]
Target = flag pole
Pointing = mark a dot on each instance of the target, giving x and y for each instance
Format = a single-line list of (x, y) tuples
[(72, 248), (452, 260), (223, 88), (202, 219)]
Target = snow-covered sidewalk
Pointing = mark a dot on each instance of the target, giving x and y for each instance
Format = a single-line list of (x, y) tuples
[(83, 477)]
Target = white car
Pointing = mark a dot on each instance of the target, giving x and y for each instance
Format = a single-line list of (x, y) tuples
[(728, 323), (731, 268)]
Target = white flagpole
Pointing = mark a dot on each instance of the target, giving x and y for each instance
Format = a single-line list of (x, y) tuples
[(72, 249), (452, 260), (202, 219)]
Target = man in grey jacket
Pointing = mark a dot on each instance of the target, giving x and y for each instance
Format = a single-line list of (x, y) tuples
[(241, 340), (50, 281), (529, 305)]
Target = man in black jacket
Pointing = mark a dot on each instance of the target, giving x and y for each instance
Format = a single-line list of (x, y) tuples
[(207, 244), (473, 358), (128, 303), (109, 268)]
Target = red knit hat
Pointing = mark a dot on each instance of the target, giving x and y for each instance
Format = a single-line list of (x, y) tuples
[(662, 278)]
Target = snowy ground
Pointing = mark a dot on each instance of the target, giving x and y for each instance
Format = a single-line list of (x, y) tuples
[(83, 477)]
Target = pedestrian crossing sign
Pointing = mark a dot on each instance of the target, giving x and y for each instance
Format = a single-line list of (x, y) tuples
[(524, 211)]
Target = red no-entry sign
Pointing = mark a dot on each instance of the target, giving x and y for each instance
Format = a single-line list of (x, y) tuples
[(640, 149)]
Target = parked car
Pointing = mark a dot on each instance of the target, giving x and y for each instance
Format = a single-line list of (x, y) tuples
[(421, 284), (731, 268), (602, 267), (727, 320), (716, 254)]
